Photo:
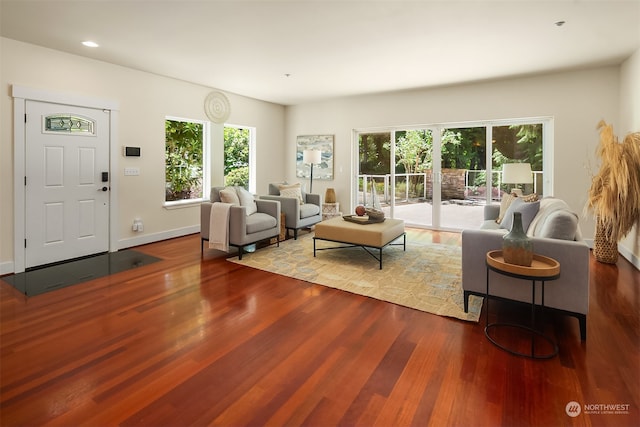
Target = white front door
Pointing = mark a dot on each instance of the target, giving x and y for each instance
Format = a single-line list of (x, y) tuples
[(67, 182)]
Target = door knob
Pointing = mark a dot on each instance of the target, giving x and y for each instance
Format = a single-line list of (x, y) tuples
[(103, 189)]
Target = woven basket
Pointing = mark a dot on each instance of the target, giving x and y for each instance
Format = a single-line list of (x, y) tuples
[(603, 248)]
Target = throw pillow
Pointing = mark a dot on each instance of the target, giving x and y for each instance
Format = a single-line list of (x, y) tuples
[(530, 197), (507, 199), (527, 209), (560, 224), (229, 195), (292, 190), (247, 200)]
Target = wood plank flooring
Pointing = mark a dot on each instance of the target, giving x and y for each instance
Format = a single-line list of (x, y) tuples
[(202, 341)]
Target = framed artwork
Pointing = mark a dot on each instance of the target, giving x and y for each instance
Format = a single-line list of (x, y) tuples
[(322, 143)]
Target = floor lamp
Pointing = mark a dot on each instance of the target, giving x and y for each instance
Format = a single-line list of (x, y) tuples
[(311, 157), (517, 173)]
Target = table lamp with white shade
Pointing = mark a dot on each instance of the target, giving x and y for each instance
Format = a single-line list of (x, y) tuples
[(311, 157), (517, 173)]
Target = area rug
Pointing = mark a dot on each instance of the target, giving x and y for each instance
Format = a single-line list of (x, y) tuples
[(426, 277)]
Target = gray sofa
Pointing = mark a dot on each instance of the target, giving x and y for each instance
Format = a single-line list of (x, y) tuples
[(555, 233)]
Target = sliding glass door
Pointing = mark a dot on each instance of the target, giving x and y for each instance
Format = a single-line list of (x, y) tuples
[(395, 174), (441, 176), (463, 160)]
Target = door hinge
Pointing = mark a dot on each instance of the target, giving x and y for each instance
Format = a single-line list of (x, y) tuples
[(25, 243), (25, 117), (25, 181)]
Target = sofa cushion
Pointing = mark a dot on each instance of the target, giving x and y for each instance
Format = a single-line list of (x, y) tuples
[(229, 195), (527, 209), (506, 201), (559, 225), (555, 220), (247, 200), (291, 190), (274, 189), (309, 209), (259, 222)]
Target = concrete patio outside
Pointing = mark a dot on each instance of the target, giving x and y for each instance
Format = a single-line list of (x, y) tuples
[(453, 215)]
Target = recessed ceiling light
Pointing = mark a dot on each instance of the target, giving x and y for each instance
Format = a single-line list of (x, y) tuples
[(89, 43)]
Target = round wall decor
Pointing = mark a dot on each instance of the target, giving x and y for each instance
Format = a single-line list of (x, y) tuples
[(217, 108)]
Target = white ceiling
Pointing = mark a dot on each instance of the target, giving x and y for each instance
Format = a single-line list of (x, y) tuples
[(332, 48)]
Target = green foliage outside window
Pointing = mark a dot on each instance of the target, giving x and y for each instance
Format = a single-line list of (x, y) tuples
[(462, 148), (183, 160), (236, 157)]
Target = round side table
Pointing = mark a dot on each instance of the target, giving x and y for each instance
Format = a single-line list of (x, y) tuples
[(543, 269)]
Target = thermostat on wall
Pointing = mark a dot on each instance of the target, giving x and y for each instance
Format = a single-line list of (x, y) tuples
[(132, 151)]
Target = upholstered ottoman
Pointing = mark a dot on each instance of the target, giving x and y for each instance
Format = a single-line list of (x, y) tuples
[(367, 236)]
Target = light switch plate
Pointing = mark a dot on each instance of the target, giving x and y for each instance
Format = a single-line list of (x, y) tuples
[(131, 171)]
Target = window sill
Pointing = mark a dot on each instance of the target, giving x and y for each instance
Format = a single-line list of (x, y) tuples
[(181, 204)]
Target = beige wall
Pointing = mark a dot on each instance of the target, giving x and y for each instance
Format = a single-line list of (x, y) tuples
[(576, 100), (630, 122), (145, 99)]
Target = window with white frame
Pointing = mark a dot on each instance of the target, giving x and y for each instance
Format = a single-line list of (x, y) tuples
[(239, 164), (186, 170)]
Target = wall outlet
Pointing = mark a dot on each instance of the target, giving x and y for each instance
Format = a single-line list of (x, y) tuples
[(137, 225)]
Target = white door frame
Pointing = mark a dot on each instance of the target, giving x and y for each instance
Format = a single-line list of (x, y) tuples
[(21, 95)]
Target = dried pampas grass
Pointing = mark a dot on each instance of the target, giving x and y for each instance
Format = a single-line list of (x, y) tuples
[(614, 196)]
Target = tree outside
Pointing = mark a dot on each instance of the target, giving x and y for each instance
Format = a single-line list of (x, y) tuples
[(462, 149), (236, 156), (183, 160)]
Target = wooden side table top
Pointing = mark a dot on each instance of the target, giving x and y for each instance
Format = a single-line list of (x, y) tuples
[(542, 267)]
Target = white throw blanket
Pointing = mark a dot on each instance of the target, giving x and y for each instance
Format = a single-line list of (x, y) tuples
[(219, 226)]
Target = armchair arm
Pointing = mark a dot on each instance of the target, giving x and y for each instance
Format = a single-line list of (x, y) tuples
[(288, 205), (313, 199), (205, 214), (269, 207)]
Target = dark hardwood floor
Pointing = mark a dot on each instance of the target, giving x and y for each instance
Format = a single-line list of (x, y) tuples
[(191, 341)]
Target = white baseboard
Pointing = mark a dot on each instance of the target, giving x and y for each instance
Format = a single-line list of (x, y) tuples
[(156, 237), (629, 256), (6, 267)]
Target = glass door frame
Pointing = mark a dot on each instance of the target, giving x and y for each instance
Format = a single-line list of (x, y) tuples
[(437, 129), (436, 174)]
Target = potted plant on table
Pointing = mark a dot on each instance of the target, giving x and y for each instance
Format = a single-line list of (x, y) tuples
[(614, 196)]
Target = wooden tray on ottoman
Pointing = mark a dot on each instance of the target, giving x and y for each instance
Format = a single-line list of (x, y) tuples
[(362, 219)]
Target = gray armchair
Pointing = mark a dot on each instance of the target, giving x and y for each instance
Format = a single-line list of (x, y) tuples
[(297, 215), (244, 229)]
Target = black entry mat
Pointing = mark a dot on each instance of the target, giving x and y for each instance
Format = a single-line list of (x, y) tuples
[(58, 276)]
